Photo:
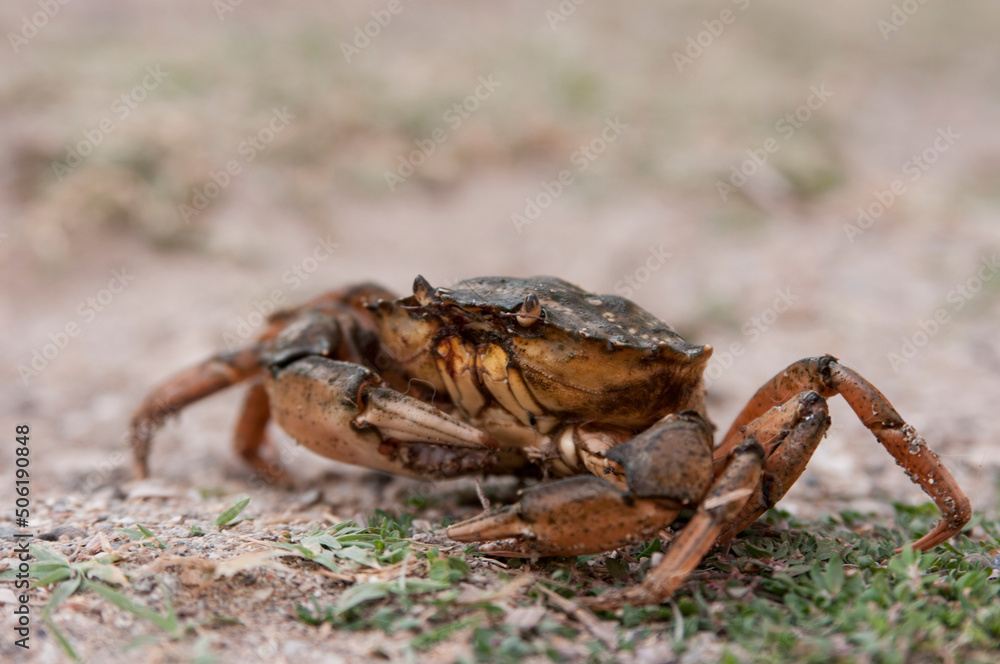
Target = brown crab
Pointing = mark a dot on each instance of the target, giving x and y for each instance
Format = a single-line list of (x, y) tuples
[(538, 377)]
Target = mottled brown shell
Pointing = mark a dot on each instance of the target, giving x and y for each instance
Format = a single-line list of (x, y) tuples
[(585, 357)]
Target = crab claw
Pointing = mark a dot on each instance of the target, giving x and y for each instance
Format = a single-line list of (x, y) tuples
[(342, 411), (570, 517)]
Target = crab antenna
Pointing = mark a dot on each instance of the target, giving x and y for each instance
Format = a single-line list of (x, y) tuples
[(530, 311), (478, 295)]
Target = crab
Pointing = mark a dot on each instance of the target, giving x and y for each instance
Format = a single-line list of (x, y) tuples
[(594, 396)]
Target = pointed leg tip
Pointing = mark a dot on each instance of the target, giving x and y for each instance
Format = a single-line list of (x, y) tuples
[(502, 524)]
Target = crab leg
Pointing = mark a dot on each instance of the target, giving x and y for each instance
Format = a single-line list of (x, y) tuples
[(828, 377), (326, 325), (343, 411), (724, 501), (250, 434), (214, 374), (790, 433), (301, 332), (574, 516)]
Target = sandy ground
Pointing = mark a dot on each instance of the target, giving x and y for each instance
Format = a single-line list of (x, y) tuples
[(644, 217)]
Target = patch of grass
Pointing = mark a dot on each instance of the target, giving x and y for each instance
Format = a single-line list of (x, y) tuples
[(388, 604), (423, 596), (808, 592), (786, 590), (374, 546), (391, 525), (144, 534), (506, 644), (831, 590), (98, 575)]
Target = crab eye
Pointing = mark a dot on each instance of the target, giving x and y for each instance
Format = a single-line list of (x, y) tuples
[(531, 311), (422, 290)]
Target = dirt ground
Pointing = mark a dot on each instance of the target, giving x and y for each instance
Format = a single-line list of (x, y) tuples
[(116, 275)]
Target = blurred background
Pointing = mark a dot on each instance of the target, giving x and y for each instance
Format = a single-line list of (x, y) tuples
[(791, 179)]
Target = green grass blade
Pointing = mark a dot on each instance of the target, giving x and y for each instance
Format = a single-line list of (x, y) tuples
[(231, 513), (167, 623)]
